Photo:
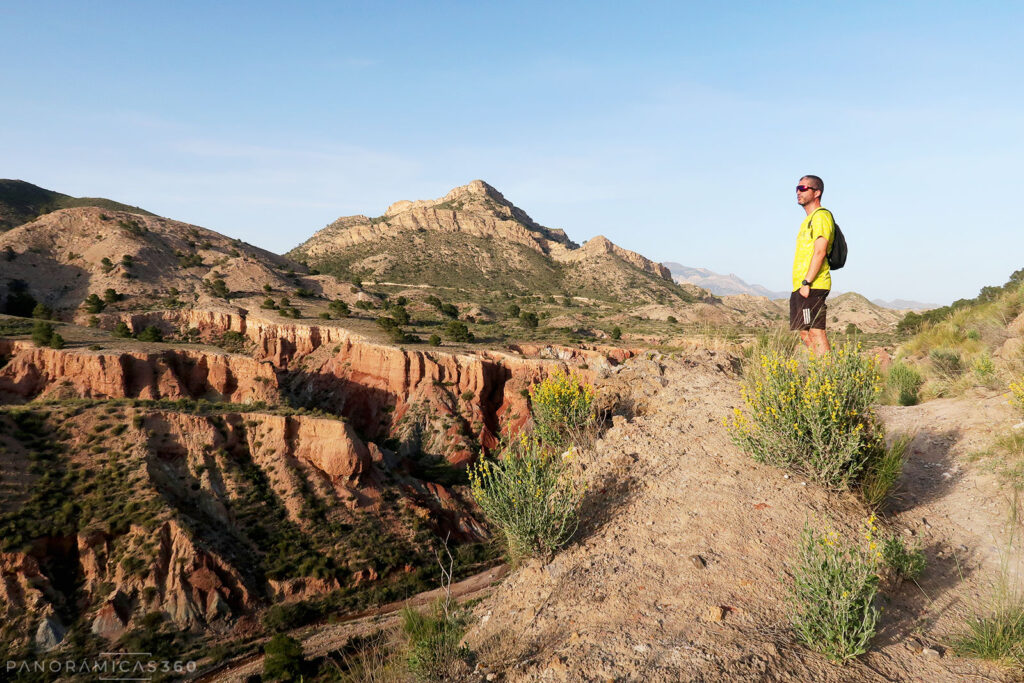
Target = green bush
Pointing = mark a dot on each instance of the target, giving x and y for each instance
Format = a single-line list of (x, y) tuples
[(218, 288), (529, 495), (835, 581), (151, 333), (400, 315), (42, 332), (111, 296), (56, 341), (93, 304), (283, 660), (42, 312), (906, 563), (905, 381), (947, 362), (457, 331), (339, 308), (434, 340), (121, 330), (434, 652), (233, 342), (616, 333), (984, 369), (816, 418), (562, 406), (882, 473)]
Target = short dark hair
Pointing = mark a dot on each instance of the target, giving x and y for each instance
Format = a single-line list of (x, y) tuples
[(817, 181)]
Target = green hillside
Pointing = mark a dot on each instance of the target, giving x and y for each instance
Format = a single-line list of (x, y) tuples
[(21, 202)]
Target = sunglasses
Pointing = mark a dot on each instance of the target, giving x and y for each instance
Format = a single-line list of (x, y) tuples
[(804, 188)]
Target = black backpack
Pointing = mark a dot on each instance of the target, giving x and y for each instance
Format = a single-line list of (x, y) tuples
[(837, 254)]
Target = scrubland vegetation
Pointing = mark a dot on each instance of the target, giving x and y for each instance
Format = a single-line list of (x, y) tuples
[(969, 344), (814, 415)]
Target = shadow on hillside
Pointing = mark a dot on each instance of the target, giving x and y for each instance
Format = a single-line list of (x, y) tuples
[(909, 609), (603, 500), (930, 471)]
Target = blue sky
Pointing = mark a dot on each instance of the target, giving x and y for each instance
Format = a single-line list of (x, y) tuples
[(674, 129)]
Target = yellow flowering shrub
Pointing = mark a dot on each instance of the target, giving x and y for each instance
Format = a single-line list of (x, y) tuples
[(835, 581), (562, 405), (529, 495), (1017, 394), (815, 418)]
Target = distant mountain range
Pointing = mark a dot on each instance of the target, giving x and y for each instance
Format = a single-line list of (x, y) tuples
[(904, 304), (728, 285), (720, 285)]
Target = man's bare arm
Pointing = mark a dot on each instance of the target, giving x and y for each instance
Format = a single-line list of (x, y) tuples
[(820, 247)]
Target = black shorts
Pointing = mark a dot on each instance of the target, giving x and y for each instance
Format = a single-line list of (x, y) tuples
[(809, 313)]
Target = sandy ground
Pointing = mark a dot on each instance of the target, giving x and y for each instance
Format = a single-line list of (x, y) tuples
[(679, 571)]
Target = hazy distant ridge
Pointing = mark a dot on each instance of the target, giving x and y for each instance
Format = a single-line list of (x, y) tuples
[(721, 285)]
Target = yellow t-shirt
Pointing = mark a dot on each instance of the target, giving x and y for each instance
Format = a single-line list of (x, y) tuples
[(818, 224)]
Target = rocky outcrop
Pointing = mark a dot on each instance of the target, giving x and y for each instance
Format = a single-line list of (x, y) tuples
[(602, 245), (331, 447), (448, 401), (469, 399), (271, 340), (302, 588), (174, 373), (193, 586), (23, 586), (475, 209)]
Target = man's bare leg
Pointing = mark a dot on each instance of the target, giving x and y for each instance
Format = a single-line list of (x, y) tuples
[(819, 340), (805, 337)]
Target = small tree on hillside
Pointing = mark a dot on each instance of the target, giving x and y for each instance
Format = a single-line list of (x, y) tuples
[(458, 332), (42, 312), (93, 304), (400, 315), (529, 319), (282, 659), (339, 308), (42, 332)]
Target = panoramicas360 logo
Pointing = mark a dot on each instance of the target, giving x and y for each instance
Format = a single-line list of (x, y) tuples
[(107, 666)]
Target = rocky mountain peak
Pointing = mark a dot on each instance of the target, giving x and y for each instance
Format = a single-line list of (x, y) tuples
[(474, 196)]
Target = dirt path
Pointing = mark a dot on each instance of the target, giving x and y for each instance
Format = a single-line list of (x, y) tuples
[(678, 572), (318, 640)]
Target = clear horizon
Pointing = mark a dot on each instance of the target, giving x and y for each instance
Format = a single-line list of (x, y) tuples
[(677, 131)]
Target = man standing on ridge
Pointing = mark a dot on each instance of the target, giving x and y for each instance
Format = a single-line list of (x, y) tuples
[(812, 279)]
